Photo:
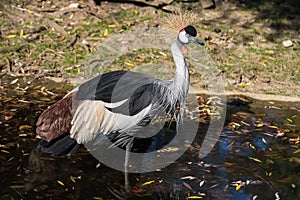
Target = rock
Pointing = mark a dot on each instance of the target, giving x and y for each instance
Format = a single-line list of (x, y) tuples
[(206, 4), (74, 5), (287, 43)]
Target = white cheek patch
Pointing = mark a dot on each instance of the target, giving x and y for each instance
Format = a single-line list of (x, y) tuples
[(182, 37)]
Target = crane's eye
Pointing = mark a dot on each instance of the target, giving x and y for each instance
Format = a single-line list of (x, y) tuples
[(183, 37)]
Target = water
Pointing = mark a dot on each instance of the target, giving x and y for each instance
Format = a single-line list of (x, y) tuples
[(256, 157)]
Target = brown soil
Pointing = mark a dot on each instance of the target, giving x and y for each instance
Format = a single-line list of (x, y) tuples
[(244, 38)]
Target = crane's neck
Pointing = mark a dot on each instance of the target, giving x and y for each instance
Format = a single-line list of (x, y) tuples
[(180, 83)]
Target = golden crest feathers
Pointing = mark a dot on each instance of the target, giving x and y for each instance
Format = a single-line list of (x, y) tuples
[(172, 23), (179, 19)]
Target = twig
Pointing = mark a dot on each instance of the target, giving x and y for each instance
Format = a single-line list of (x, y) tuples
[(52, 51), (73, 41), (8, 62), (57, 27), (33, 8), (61, 12)]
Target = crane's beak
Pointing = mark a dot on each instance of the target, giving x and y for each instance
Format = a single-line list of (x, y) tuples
[(196, 40), (200, 42)]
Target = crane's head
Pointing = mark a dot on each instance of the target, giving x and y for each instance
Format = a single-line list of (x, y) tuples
[(188, 35)]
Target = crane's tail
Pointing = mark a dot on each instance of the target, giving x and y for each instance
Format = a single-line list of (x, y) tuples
[(61, 145)]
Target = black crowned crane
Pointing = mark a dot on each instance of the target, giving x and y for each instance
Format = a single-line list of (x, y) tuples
[(115, 105)]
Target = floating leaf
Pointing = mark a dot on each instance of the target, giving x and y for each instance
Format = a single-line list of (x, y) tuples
[(105, 33), (297, 151), (244, 100), (259, 125), (97, 198), (8, 117), (4, 151), (275, 127), (251, 146), (238, 186), (11, 36), (277, 197), (289, 120), (245, 123), (187, 186), (73, 179), (24, 127), (60, 183), (201, 183), (148, 182), (255, 159), (194, 197), (188, 177), (269, 173), (264, 141)]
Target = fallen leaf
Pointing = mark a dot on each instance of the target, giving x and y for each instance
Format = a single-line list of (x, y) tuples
[(129, 64), (244, 84), (112, 26), (60, 182), (29, 11), (14, 81), (105, 33), (10, 36), (255, 159), (22, 33), (263, 40)]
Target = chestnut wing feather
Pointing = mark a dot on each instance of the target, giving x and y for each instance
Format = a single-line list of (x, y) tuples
[(56, 120)]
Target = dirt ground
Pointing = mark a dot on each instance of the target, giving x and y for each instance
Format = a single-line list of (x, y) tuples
[(254, 44)]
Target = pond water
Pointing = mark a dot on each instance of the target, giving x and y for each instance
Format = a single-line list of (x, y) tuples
[(257, 155)]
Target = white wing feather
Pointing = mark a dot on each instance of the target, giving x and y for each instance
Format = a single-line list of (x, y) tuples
[(92, 118)]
